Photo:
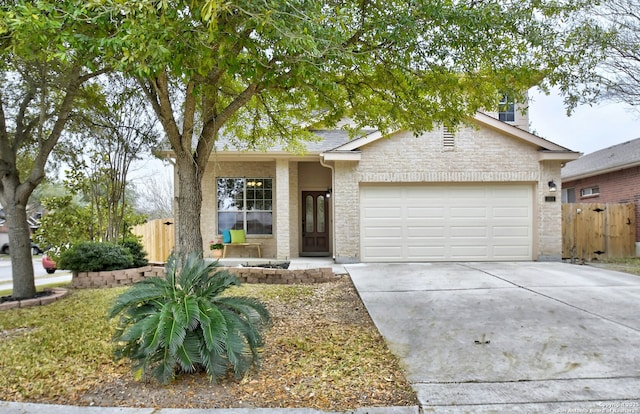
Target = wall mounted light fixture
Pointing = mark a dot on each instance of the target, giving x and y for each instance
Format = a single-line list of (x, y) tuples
[(552, 186)]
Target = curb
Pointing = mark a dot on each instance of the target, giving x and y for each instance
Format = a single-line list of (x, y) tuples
[(29, 408)]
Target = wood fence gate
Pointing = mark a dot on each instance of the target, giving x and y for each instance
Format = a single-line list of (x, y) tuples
[(158, 238), (597, 230)]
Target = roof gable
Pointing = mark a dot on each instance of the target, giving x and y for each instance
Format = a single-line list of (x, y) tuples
[(483, 120)]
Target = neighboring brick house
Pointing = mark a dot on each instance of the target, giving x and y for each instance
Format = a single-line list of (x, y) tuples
[(610, 175), (481, 193)]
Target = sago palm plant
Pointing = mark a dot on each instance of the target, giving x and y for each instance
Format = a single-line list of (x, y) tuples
[(182, 323)]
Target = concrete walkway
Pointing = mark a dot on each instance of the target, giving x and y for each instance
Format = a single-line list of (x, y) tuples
[(510, 337)]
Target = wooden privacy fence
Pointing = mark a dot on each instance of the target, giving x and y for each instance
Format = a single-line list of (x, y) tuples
[(158, 238), (591, 231)]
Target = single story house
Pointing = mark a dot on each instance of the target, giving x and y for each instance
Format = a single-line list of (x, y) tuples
[(610, 175), (482, 193)]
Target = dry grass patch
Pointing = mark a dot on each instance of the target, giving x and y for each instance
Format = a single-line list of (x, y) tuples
[(322, 351), (621, 264)]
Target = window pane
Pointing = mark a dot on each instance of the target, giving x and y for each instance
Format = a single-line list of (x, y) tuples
[(230, 221), (309, 214), (321, 214), (255, 205), (230, 194), (239, 200), (259, 223)]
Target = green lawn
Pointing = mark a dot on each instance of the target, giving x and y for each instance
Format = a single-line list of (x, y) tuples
[(46, 351)]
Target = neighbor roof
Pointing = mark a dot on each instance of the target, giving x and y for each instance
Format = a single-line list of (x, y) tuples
[(613, 158)]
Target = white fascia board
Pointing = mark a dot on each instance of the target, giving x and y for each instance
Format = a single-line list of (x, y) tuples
[(359, 142), (558, 155), (341, 156)]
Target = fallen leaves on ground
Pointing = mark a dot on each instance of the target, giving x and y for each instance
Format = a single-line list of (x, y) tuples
[(322, 351)]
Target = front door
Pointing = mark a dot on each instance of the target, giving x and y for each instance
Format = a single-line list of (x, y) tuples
[(315, 224)]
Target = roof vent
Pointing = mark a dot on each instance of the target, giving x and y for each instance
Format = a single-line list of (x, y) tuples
[(448, 139)]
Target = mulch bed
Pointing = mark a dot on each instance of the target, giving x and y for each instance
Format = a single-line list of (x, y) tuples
[(322, 351)]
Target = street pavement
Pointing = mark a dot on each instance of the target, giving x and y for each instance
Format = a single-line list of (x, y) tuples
[(41, 276)]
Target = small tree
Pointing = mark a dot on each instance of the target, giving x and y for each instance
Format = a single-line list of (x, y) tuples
[(111, 134), (70, 221), (183, 323), (46, 60)]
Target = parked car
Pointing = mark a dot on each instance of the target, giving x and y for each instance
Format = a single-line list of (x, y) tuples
[(48, 264), (35, 249)]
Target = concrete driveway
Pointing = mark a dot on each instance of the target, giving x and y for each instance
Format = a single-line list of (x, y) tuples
[(510, 337)]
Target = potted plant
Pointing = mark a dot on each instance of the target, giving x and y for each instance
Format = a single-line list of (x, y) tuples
[(216, 247)]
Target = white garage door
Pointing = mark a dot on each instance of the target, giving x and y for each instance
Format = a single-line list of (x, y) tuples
[(455, 222)]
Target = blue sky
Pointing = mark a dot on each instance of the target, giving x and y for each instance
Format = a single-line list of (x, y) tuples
[(588, 129)]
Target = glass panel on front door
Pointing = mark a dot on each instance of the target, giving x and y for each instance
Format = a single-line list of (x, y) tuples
[(309, 214), (320, 212)]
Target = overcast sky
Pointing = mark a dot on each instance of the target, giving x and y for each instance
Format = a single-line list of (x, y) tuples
[(588, 129)]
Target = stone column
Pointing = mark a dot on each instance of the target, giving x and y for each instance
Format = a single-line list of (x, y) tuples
[(282, 223)]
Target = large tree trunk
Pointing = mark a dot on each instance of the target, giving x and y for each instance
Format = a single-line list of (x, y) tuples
[(20, 248), (189, 205)]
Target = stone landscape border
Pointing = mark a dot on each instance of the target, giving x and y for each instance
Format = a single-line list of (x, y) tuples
[(125, 277), (114, 278), (56, 294)]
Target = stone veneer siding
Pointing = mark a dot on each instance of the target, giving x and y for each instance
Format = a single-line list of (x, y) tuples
[(115, 278)]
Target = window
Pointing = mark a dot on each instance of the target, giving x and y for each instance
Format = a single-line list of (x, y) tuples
[(569, 195), (590, 191), (245, 204), (507, 109)]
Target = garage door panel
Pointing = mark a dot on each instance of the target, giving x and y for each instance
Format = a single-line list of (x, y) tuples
[(425, 232), (511, 212), (469, 252), (452, 222), (468, 212), (381, 213), (416, 252), (468, 231), (515, 231), (425, 212)]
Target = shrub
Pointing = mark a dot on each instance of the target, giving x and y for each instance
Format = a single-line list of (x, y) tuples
[(137, 251), (95, 257), (182, 323)]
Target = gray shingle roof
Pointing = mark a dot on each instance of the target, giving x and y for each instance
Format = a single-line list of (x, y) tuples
[(329, 139), (615, 157)]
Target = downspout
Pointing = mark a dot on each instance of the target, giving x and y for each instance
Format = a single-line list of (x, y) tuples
[(333, 220)]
